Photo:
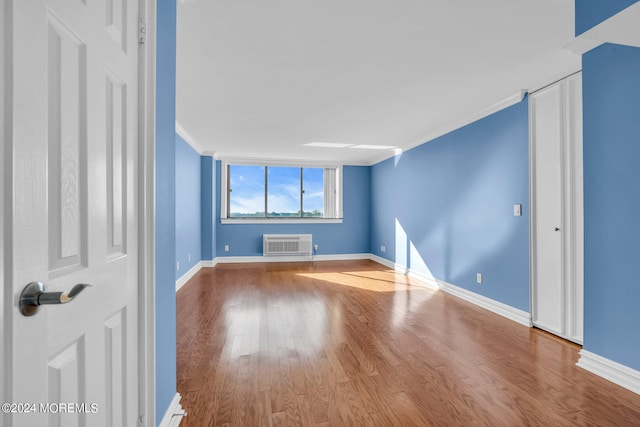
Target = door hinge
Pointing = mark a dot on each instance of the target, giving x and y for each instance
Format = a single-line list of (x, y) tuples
[(142, 31)]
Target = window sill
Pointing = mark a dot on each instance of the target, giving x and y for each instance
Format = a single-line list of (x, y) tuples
[(281, 221)]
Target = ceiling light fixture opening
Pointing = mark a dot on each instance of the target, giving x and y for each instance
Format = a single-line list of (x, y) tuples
[(328, 145)]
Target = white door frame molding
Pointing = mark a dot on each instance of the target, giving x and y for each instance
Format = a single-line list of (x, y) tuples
[(574, 209), (6, 91), (146, 226)]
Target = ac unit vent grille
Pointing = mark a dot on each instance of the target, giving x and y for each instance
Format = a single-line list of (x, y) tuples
[(286, 244)]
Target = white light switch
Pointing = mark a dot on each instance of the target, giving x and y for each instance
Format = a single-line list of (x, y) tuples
[(517, 209)]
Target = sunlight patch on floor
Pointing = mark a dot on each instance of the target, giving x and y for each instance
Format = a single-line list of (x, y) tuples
[(376, 281)]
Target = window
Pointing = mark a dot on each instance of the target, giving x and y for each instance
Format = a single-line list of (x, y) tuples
[(284, 192), (313, 192), (248, 199), (277, 192)]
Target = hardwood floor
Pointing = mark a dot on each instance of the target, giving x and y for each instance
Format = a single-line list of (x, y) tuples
[(353, 343)]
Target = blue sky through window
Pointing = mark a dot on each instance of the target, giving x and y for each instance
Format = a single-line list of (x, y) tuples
[(283, 191), (247, 197), (247, 190)]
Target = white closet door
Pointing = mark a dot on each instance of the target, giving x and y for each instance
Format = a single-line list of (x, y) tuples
[(557, 208), (547, 138)]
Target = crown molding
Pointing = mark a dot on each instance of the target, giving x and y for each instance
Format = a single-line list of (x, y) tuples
[(189, 139), (260, 161), (459, 123)]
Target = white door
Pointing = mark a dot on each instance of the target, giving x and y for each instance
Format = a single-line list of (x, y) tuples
[(547, 130), (73, 216), (556, 151)]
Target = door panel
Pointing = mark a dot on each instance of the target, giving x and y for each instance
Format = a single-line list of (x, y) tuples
[(67, 145), (116, 120), (547, 128), (115, 328), (74, 218), (65, 373)]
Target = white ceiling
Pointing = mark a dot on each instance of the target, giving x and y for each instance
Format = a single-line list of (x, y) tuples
[(261, 79)]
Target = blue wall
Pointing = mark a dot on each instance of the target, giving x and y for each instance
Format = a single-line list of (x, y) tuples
[(350, 237), (611, 97), (590, 13), (208, 188), (445, 208), (165, 206), (188, 208)]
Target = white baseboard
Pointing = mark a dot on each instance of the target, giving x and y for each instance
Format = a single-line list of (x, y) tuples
[(497, 307), (429, 282), (342, 257), (608, 369), (192, 272), (209, 263), (494, 306), (292, 258), (248, 259), (188, 275), (174, 414), (387, 263)]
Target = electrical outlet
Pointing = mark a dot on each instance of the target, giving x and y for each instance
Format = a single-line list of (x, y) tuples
[(382, 248), (479, 278), (226, 248), (315, 248), (189, 257), (177, 265)]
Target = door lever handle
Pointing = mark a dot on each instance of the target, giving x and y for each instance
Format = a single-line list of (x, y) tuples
[(33, 296)]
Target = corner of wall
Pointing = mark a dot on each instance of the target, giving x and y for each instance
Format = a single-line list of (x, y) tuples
[(165, 206)]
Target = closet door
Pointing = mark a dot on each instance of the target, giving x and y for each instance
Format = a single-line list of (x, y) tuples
[(556, 231), (548, 148)]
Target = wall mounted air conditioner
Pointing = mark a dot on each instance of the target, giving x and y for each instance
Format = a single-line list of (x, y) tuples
[(286, 244)]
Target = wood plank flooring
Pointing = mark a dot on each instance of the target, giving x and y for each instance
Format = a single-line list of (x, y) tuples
[(351, 343)]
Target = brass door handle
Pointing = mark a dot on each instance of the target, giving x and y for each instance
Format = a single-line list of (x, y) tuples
[(33, 296)]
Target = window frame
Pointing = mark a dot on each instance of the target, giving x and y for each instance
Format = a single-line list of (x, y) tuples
[(225, 200)]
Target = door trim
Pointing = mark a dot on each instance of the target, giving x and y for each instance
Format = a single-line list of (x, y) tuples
[(575, 210), (146, 218), (532, 216)]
